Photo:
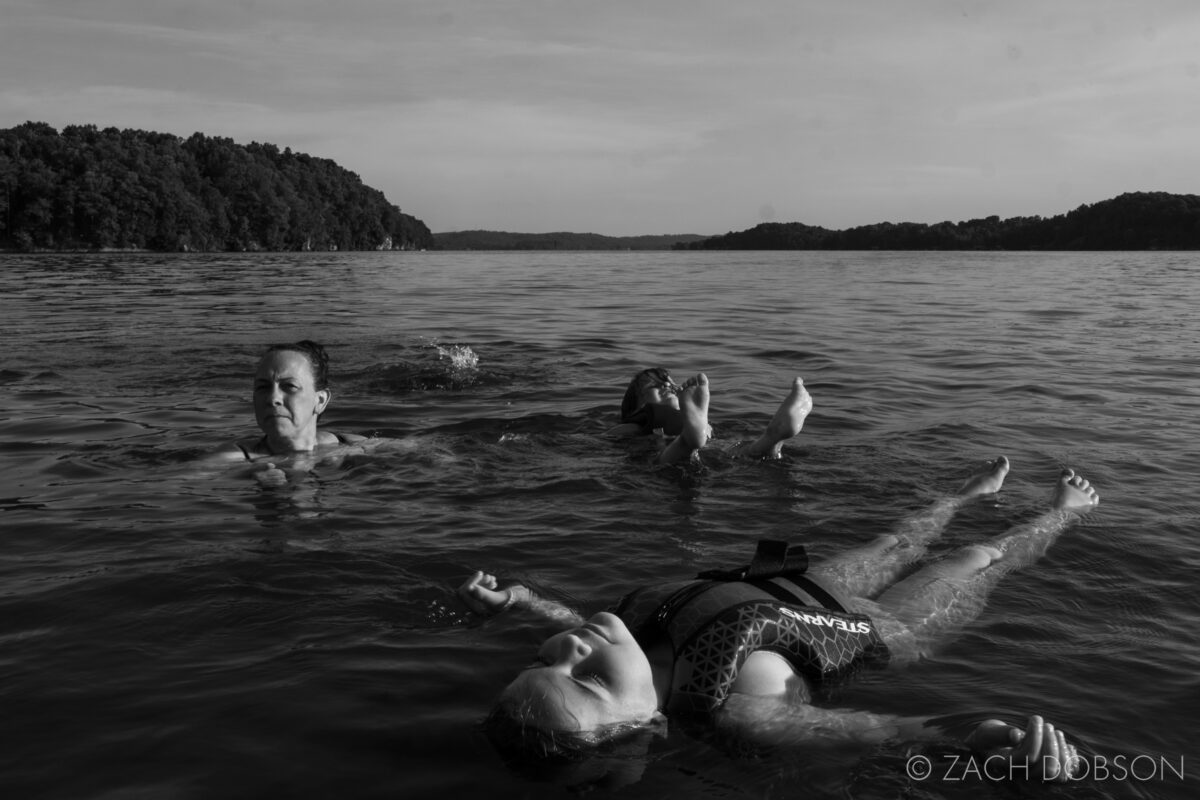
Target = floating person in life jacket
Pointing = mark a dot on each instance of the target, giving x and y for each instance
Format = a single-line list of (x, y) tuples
[(654, 402), (753, 652)]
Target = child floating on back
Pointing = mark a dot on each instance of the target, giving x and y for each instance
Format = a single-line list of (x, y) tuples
[(655, 402), (753, 652)]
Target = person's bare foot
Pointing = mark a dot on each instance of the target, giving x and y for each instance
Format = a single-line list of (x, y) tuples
[(786, 423), (1074, 493), (789, 419), (693, 403), (986, 480)]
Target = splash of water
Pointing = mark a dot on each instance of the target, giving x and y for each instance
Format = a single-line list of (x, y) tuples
[(461, 357)]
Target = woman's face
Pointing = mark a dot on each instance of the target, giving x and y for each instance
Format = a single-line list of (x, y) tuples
[(286, 400), (587, 678)]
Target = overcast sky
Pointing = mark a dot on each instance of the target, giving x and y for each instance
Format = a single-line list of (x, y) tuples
[(651, 116)]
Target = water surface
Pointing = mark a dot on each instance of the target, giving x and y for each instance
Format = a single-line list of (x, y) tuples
[(176, 632)]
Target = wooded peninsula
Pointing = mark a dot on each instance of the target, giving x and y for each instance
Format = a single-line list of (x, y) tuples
[(91, 189), (110, 189)]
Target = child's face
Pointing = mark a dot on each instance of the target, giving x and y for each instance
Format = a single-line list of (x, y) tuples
[(655, 392), (587, 678)]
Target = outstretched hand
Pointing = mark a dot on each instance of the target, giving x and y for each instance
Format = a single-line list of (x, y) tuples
[(482, 596), (1039, 751)]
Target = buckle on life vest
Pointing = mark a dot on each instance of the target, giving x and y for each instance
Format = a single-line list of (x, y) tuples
[(772, 559)]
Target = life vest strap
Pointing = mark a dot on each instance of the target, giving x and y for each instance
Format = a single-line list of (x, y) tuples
[(824, 598), (777, 559), (772, 559)]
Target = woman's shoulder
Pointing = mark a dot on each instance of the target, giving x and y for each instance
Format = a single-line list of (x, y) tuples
[(239, 450), (334, 437)]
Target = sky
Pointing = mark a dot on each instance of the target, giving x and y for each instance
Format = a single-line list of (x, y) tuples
[(639, 117)]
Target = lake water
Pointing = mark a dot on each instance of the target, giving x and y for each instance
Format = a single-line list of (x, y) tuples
[(170, 631)]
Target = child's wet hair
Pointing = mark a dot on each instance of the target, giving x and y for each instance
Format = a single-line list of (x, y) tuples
[(577, 759), (517, 738), (632, 408)]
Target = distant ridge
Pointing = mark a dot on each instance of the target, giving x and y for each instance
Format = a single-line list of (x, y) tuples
[(1131, 221), (498, 240), (92, 189)]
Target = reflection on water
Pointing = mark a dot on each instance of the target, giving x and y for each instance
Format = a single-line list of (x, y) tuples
[(173, 630)]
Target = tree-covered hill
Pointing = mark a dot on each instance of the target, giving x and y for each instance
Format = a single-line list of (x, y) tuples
[(87, 188), (1133, 221), (498, 240)]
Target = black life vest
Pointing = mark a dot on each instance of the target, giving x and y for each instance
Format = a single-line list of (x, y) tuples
[(714, 623)]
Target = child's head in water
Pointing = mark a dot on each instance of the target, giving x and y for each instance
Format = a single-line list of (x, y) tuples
[(648, 387), (594, 679), (608, 759), (585, 713)]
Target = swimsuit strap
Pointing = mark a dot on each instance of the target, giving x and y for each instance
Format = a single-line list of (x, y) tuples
[(258, 447), (262, 446)]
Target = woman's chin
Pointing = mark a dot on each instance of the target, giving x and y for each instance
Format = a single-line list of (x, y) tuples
[(276, 425)]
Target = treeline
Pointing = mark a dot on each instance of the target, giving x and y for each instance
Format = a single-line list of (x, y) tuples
[(1133, 221), (94, 189), (498, 240)]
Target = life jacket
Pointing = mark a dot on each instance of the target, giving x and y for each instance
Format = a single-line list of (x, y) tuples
[(715, 622)]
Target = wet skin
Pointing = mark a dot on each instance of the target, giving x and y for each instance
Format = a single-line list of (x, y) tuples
[(287, 402), (597, 670)]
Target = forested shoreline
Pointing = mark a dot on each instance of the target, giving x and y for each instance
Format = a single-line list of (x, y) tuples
[(1131, 221), (92, 189)]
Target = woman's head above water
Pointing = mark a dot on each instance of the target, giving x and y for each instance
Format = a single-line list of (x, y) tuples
[(291, 389)]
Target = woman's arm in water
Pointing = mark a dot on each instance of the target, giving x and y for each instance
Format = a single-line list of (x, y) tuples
[(483, 595), (999, 750)]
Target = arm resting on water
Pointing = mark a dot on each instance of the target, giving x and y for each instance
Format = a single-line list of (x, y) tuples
[(482, 594), (1039, 752)]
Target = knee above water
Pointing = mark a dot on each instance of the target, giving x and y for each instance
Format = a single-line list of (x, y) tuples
[(979, 556)]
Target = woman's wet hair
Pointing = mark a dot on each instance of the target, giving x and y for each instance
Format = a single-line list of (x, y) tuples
[(318, 359), (632, 407)]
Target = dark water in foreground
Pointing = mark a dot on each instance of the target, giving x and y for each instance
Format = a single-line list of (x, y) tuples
[(170, 632)]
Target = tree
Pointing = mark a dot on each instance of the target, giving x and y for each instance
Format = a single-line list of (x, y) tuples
[(128, 188)]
